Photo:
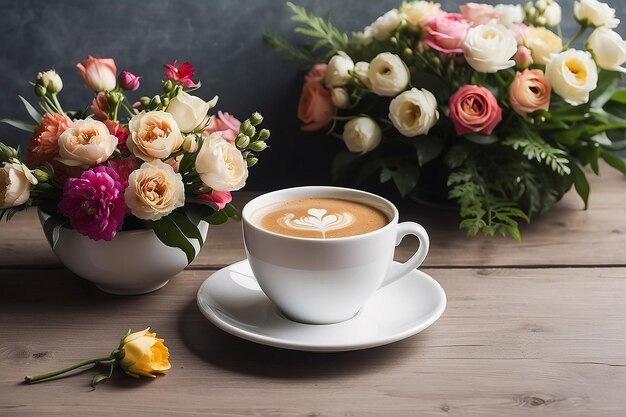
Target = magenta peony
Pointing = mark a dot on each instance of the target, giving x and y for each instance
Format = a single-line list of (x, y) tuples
[(94, 203)]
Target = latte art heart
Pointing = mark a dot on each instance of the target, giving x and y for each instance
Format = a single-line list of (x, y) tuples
[(317, 220)]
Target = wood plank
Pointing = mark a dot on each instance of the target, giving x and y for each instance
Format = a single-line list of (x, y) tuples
[(562, 237), (512, 342)]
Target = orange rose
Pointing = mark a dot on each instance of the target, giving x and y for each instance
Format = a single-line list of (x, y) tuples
[(529, 92), (43, 146), (316, 108)]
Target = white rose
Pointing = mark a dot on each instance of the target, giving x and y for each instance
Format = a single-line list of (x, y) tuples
[(154, 190), (417, 12), (220, 164), (510, 15), (340, 97), (595, 13), (338, 70), (489, 48), (414, 112), (360, 71), (86, 142), (189, 111), (153, 135), (364, 38), (50, 80), (608, 49), (385, 25), (387, 74), (552, 14), (572, 75), (16, 180), (542, 43), (361, 135)]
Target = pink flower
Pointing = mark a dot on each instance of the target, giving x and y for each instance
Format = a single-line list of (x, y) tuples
[(474, 109), (316, 108), (479, 13), (225, 125), (182, 74), (128, 81), (119, 131), (316, 74), (100, 107), (523, 58), (218, 199), (124, 166), (98, 73), (43, 146), (94, 203), (529, 92), (446, 32), (518, 32)]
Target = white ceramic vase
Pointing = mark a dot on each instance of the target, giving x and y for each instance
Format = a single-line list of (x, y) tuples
[(134, 262)]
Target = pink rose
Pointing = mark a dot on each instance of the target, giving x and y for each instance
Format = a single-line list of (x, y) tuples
[(478, 13), (98, 73), (217, 199), (474, 109), (100, 107), (529, 92), (316, 108), (446, 32), (316, 74), (225, 125)]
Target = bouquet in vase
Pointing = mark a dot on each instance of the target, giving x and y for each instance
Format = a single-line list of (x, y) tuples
[(488, 101), (160, 162)]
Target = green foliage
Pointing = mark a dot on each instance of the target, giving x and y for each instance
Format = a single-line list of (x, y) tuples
[(536, 148)]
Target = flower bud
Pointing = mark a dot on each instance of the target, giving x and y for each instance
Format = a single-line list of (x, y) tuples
[(7, 153), (256, 118), (251, 131), (114, 98), (252, 161), (340, 97), (245, 154), (40, 90), (128, 81), (257, 146), (42, 176), (50, 80), (165, 101), (242, 140), (144, 100), (155, 102), (168, 86), (245, 126), (190, 144), (523, 58), (264, 134)]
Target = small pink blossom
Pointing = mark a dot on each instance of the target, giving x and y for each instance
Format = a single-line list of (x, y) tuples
[(474, 109), (225, 125), (218, 199), (316, 74), (98, 73), (446, 32), (128, 81), (182, 73)]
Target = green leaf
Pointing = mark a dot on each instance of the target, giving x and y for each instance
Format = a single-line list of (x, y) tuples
[(427, 147), (197, 212), (619, 96), (403, 172), (232, 212), (34, 114), (455, 156), (29, 127), (217, 218), (581, 184), (170, 234), (614, 161), (481, 139), (186, 226), (607, 80), (52, 227), (602, 139), (589, 156)]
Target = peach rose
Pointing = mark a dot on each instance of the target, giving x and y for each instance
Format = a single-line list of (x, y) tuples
[(529, 92), (479, 13), (225, 125), (153, 135), (474, 109), (86, 143), (98, 73), (446, 32), (43, 146), (316, 107)]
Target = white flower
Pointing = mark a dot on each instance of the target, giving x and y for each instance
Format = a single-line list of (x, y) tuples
[(16, 180), (510, 14), (154, 190), (552, 14), (86, 142), (572, 75), (50, 80), (361, 135), (220, 164), (414, 112), (190, 143), (360, 71), (489, 48), (542, 43), (595, 13), (417, 12), (385, 25), (189, 111), (364, 38), (153, 135), (608, 49), (338, 70), (387, 74), (340, 97)]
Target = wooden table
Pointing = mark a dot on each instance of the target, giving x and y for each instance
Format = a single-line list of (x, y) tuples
[(537, 328)]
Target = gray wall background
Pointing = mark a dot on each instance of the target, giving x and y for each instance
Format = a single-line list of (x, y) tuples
[(221, 38)]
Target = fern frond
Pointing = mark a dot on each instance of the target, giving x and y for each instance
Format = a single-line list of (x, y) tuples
[(534, 147), (318, 28)]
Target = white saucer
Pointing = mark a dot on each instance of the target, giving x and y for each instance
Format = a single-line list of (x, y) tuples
[(232, 300)]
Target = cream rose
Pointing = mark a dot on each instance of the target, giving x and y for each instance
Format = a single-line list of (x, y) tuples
[(387, 74), (360, 71), (572, 75), (340, 97), (361, 135), (86, 142), (154, 191), (16, 181), (220, 164), (595, 13), (338, 70), (415, 13), (153, 135), (414, 112), (385, 25), (608, 49), (189, 111), (489, 48), (509, 15), (542, 43), (552, 14)]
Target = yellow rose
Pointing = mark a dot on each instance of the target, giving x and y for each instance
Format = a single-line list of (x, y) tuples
[(542, 43), (144, 354), (153, 135)]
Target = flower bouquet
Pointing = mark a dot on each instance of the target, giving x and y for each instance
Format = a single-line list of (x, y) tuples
[(159, 163), (488, 104)]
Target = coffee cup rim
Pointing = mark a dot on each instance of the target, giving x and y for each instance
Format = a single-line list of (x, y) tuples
[(392, 220)]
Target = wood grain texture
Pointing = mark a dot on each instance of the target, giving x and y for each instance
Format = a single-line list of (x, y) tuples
[(512, 342)]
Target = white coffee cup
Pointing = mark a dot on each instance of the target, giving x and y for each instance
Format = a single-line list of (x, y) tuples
[(323, 281)]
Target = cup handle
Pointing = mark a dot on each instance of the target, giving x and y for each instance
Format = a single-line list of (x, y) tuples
[(409, 228)]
